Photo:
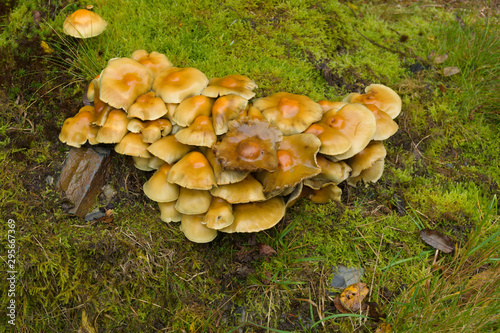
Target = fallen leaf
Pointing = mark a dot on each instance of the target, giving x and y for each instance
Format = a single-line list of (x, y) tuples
[(437, 240), (339, 306), (449, 71), (439, 59), (480, 281), (352, 296), (266, 250)]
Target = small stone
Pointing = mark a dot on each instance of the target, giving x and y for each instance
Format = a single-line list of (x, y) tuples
[(109, 192), (82, 177), (94, 215), (345, 276)]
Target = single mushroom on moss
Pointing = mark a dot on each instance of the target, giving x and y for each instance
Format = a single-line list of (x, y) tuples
[(291, 113), (175, 84), (249, 145), (84, 24), (123, 81), (235, 84), (78, 129)]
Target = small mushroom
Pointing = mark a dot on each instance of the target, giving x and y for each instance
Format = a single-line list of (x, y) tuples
[(200, 133), (247, 190), (292, 113), (195, 231), (175, 84), (365, 159), (333, 142), (190, 108), (169, 149), (192, 201), (223, 176), (133, 145), (158, 189), (370, 175), (115, 127), (219, 214), (142, 163), (78, 129), (168, 213), (256, 216), (84, 24), (230, 85), (331, 173), (148, 107), (123, 81), (227, 108), (192, 171), (325, 194), (151, 130)]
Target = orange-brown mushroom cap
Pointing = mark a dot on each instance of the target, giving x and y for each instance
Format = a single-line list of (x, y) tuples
[(123, 81), (84, 24), (223, 176), (247, 190), (155, 61), (219, 214), (227, 108), (78, 129), (190, 108), (230, 85), (292, 113), (169, 149), (192, 171), (256, 216), (297, 161), (133, 145), (250, 144), (175, 84), (333, 142), (386, 126), (363, 160), (151, 130)]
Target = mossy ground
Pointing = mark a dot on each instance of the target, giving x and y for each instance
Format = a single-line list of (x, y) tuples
[(139, 274)]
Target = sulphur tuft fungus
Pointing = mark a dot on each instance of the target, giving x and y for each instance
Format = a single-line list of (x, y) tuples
[(84, 24)]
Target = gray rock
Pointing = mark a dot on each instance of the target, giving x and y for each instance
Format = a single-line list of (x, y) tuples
[(345, 276)]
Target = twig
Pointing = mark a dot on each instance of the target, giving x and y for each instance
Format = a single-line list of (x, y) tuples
[(381, 46)]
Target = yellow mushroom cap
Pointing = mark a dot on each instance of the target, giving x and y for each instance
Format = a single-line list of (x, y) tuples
[(151, 130), (199, 133), (219, 214), (142, 163), (363, 160), (333, 142), (101, 109), (192, 171), (190, 108), (168, 213), (326, 194), (383, 97), (370, 175), (247, 190), (78, 129), (158, 189), (133, 145), (148, 107), (249, 145), (169, 149), (292, 113), (331, 173), (331, 105), (84, 24), (297, 161), (155, 61), (123, 81), (175, 84), (115, 127), (192, 201), (386, 126), (356, 122), (256, 216), (230, 85), (195, 231), (227, 108)]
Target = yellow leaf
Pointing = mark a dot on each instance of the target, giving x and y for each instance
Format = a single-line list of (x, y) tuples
[(352, 296)]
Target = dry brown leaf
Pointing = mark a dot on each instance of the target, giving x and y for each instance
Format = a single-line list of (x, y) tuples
[(479, 281), (449, 71), (437, 240), (352, 296), (440, 58), (266, 250), (338, 305)]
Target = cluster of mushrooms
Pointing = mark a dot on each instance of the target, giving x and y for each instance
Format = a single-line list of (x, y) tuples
[(223, 161)]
